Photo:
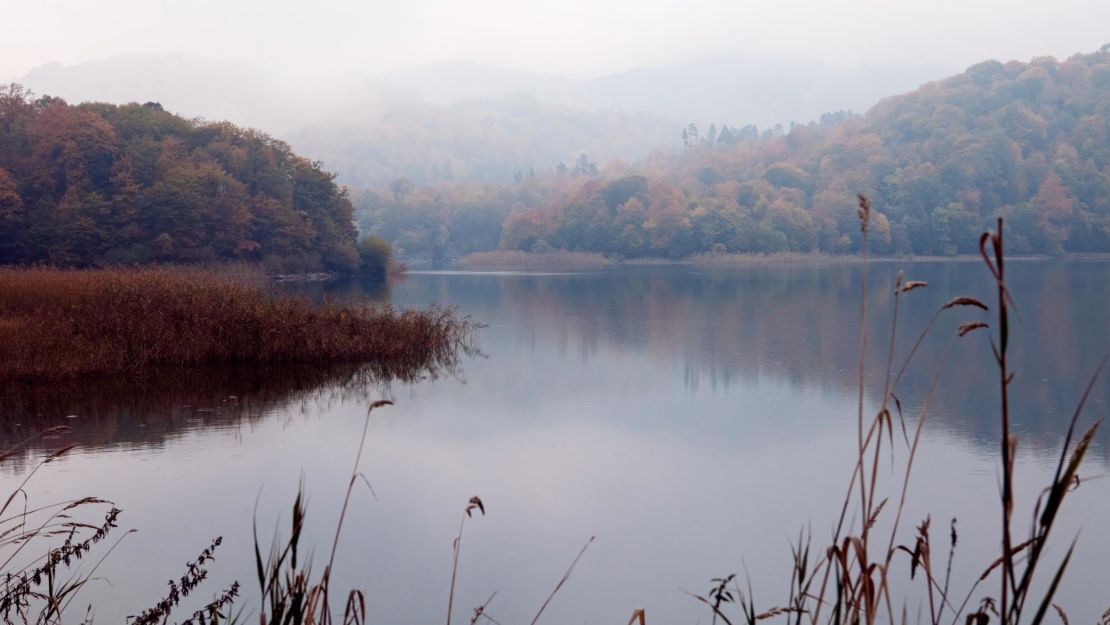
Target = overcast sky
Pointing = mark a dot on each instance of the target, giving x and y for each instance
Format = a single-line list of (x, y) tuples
[(581, 38)]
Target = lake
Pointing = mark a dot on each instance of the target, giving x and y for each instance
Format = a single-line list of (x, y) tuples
[(693, 419)]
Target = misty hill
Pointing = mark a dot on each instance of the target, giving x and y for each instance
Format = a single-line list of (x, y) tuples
[(480, 140), (367, 129), (1026, 141), (473, 123), (736, 89), (448, 82), (104, 184), (187, 84)]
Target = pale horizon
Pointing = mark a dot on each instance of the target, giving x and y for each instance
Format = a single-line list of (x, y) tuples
[(573, 38)]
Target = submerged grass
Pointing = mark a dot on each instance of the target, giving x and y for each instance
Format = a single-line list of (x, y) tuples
[(58, 323)]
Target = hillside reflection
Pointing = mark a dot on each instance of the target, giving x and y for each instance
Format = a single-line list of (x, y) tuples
[(108, 413), (799, 324), (721, 330)]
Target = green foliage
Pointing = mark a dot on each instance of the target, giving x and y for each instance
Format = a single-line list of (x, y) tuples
[(1026, 141), (100, 184)]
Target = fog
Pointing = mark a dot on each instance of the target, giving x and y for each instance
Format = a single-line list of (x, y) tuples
[(382, 90), (575, 38)]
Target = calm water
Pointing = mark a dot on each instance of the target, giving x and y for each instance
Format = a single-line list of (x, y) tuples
[(693, 420)]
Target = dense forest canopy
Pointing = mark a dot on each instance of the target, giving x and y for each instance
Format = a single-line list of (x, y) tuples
[(102, 184), (1027, 141)]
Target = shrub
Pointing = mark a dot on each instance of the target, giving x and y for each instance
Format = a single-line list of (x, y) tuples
[(375, 255)]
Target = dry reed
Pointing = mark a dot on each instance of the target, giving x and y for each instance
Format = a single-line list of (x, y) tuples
[(475, 503), (33, 587), (60, 323), (292, 596), (853, 583)]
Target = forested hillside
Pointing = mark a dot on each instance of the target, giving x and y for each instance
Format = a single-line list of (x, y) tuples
[(1027, 141), (102, 184), (474, 123), (367, 129)]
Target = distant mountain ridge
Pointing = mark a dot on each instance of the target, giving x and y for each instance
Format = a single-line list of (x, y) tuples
[(1028, 142), (466, 122), (193, 86), (736, 89)]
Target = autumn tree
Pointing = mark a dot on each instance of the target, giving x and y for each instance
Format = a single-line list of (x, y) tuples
[(100, 184)]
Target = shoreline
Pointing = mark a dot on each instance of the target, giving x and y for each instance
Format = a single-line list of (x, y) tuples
[(591, 261)]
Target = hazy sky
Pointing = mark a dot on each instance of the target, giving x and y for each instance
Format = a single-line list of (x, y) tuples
[(573, 37)]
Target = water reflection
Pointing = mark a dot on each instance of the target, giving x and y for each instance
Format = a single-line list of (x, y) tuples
[(369, 289), (799, 325), (105, 413), (693, 419)]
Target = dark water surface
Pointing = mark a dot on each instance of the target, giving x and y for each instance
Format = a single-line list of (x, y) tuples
[(692, 419)]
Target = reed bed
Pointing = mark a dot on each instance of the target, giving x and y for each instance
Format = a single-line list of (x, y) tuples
[(58, 323)]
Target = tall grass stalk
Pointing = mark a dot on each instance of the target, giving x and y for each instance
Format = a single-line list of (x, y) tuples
[(562, 580), (851, 581), (475, 503), (290, 594), (355, 475)]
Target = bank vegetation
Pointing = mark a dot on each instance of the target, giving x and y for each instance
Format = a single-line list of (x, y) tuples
[(57, 323)]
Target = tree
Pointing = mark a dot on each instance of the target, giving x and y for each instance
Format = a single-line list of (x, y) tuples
[(1055, 210), (1028, 141), (13, 220), (401, 187), (98, 183), (375, 255), (692, 133), (583, 166)]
